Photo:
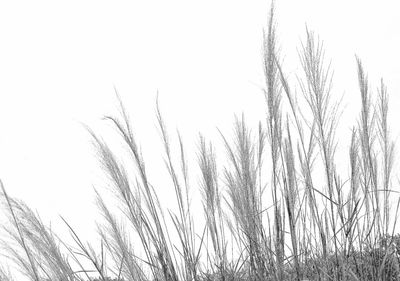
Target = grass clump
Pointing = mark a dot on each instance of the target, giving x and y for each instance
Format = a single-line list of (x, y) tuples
[(334, 227)]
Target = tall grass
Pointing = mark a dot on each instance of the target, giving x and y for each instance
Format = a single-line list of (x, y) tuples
[(336, 227)]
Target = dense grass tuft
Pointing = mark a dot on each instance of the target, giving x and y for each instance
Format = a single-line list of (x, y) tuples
[(318, 223)]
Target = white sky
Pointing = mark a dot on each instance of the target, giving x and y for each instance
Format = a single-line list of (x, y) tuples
[(59, 61)]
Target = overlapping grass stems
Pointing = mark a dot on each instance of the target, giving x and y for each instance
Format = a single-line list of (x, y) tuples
[(337, 228)]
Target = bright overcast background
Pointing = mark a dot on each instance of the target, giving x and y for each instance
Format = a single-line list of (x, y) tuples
[(60, 61)]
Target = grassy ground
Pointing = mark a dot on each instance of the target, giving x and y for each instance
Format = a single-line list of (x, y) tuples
[(320, 225)]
